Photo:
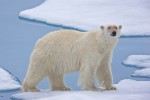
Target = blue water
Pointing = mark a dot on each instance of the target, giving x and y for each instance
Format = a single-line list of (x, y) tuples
[(17, 39)]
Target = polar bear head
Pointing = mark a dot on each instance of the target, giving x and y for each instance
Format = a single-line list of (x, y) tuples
[(112, 31)]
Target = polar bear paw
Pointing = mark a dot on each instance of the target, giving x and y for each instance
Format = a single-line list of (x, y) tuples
[(92, 89), (30, 90), (34, 90), (110, 88), (67, 89), (62, 89)]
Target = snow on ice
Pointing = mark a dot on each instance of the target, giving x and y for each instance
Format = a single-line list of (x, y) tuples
[(139, 61), (142, 73), (7, 81), (126, 90), (88, 14)]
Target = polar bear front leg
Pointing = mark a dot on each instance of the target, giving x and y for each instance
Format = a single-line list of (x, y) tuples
[(107, 80), (86, 78), (104, 74)]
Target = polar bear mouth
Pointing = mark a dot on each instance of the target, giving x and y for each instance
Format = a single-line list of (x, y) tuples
[(113, 33)]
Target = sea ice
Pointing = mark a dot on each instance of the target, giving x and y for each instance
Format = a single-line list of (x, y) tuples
[(88, 14), (7, 81), (142, 73), (126, 90), (139, 61)]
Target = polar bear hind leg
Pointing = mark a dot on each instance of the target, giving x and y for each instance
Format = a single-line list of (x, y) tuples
[(57, 82), (35, 74)]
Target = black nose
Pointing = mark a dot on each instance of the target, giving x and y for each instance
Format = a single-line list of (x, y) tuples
[(113, 33)]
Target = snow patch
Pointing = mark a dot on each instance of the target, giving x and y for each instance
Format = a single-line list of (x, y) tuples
[(88, 14), (126, 90), (7, 81), (139, 61), (142, 73)]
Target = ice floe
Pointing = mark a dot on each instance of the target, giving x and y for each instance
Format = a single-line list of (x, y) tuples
[(88, 14), (139, 61), (126, 90), (142, 73), (7, 81)]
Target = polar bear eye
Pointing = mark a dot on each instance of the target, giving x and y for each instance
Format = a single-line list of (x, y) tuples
[(120, 27), (116, 27)]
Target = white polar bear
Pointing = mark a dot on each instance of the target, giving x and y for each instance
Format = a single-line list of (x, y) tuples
[(66, 51)]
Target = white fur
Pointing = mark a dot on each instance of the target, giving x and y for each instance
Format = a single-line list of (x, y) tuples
[(65, 51)]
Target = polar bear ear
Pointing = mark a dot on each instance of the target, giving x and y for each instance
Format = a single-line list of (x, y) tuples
[(120, 27), (102, 27)]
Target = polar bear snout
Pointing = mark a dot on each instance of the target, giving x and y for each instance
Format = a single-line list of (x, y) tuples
[(113, 33)]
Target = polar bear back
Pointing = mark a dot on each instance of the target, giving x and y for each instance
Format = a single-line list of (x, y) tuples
[(59, 50)]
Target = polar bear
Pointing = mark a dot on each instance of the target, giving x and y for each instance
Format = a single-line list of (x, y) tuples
[(66, 51)]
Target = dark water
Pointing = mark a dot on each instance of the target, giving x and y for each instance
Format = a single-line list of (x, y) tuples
[(17, 39)]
